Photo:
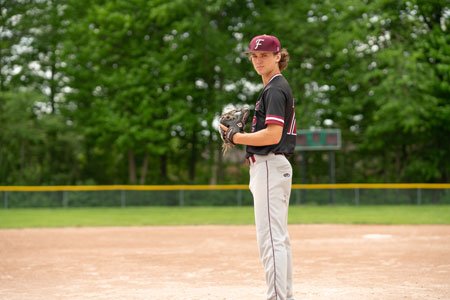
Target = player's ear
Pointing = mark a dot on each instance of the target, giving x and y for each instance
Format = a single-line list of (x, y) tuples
[(278, 56)]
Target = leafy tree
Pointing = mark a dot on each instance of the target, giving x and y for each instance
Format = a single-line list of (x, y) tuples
[(371, 69), (202, 64), (128, 91), (407, 127), (32, 32), (36, 148), (39, 145), (113, 65)]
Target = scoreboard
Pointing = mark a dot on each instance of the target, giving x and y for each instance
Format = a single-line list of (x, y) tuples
[(320, 139)]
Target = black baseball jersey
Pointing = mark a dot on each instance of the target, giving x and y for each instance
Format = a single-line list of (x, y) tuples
[(275, 105)]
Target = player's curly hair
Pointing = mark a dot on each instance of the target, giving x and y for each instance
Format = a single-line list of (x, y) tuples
[(284, 60)]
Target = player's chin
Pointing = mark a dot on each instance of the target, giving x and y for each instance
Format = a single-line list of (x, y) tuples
[(259, 71)]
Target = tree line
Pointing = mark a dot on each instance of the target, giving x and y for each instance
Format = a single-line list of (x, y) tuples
[(128, 92)]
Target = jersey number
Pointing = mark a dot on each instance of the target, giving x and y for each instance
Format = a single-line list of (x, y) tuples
[(292, 126)]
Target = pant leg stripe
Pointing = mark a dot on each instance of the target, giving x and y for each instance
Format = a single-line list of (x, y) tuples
[(270, 231)]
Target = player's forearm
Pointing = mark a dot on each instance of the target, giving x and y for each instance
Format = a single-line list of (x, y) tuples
[(261, 138)]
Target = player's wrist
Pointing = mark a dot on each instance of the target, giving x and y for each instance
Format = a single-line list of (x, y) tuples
[(237, 138)]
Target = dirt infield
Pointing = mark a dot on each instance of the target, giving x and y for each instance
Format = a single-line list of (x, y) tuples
[(221, 262)]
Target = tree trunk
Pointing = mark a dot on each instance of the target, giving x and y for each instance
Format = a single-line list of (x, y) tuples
[(163, 168), (131, 167), (213, 161), (52, 85), (219, 163), (144, 169), (193, 160)]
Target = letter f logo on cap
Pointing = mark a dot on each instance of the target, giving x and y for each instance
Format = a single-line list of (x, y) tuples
[(264, 43), (258, 43)]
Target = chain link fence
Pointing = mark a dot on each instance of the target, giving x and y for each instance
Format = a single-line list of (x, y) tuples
[(219, 195)]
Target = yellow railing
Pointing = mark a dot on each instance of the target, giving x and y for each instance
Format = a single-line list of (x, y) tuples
[(340, 186), (57, 188), (183, 194)]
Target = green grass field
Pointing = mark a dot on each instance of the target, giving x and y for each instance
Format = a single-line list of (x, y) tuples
[(160, 216)]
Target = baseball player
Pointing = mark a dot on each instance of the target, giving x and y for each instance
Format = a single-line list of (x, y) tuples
[(269, 144)]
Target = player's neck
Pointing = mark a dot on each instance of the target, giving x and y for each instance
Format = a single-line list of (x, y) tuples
[(267, 77)]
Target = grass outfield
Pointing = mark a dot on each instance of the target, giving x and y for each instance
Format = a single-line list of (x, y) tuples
[(160, 216)]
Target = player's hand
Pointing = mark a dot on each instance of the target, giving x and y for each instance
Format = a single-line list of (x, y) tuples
[(223, 127), (232, 123)]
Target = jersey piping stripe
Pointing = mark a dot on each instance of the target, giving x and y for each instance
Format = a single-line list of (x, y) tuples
[(270, 231), (274, 76), (270, 119)]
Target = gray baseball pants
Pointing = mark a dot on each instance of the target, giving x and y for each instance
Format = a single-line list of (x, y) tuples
[(270, 184)]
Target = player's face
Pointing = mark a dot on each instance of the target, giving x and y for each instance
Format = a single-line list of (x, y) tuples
[(265, 62)]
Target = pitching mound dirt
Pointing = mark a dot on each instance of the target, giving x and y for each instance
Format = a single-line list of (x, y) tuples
[(221, 262)]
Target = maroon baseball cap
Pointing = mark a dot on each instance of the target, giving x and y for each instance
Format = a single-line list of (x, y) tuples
[(264, 43)]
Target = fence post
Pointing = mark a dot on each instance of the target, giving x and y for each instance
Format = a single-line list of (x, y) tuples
[(122, 198), (298, 196), (239, 197), (64, 199), (356, 196), (419, 196), (181, 198), (5, 199)]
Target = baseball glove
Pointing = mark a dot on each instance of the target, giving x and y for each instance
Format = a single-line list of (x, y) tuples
[(235, 121)]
